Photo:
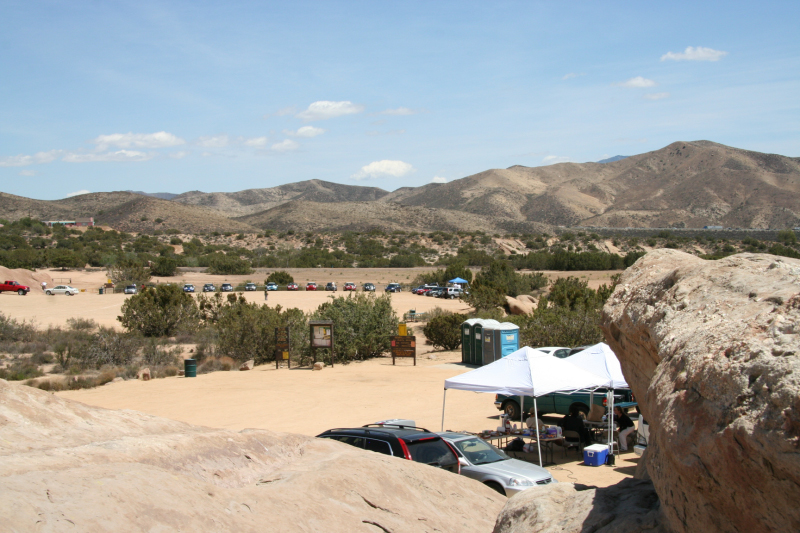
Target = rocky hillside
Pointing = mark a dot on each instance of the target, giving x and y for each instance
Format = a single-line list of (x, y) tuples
[(250, 201), (691, 184), (65, 466), (364, 216)]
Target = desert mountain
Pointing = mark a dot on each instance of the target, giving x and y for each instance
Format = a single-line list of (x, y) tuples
[(124, 211), (364, 216), (693, 184), (250, 201)]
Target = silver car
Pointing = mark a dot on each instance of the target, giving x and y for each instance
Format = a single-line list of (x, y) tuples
[(491, 466), (62, 289)]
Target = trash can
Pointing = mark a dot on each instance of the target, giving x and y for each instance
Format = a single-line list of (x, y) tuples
[(101, 290), (190, 368)]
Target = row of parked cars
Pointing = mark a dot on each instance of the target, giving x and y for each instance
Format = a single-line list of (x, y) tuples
[(436, 291), (310, 286), (460, 453)]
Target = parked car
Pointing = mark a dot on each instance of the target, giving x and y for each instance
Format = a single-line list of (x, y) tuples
[(435, 292), (409, 442), (272, 286), (250, 287), (393, 287), (330, 286), (188, 288), (130, 289), (311, 286), (13, 286), (555, 351), (226, 287), (209, 287), (349, 286), (62, 289), (573, 351), (292, 287), (492, 467), (560, 402), (452, 293), (369, 287)]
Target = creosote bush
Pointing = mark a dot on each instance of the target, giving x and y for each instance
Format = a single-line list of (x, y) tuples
[(444, 331), (160, 312)]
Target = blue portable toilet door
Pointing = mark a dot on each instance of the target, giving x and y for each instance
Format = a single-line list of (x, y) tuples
[(509, 338)]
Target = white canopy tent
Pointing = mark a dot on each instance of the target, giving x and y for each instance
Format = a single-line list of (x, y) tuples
[(526, 372), (601, 360)]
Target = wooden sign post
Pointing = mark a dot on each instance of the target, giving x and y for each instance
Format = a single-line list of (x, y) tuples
[(321, 336), (404, 346), (282, 346)]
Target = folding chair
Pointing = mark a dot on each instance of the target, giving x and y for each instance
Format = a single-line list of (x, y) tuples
[(572, 439)]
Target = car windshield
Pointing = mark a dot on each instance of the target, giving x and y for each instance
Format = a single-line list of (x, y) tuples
[(479, 452), (431, 452)]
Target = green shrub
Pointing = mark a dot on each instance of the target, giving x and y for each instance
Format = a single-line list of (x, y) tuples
[(164, 267), (223, 264), (280, 277), (444, 331), (160, 312), (20, 371), (362, 322)]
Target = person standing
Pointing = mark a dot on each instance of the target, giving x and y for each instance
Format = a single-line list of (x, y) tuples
[(625, 425), (44, 286), (266, 293)]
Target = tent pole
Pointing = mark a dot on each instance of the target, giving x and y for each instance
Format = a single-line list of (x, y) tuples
[(521, 413), (538, 436), (444, 399), (611, 422)]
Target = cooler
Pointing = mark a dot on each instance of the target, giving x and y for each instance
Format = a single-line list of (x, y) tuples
[(595, 455)]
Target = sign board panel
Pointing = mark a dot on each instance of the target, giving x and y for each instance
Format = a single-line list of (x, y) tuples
[(402, 329), (282, 346), (321, 336), (404, 346)]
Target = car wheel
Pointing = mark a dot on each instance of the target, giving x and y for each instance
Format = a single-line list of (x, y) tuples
[(511, 408), (48, 293), (21, 292), (495, 486), (69, 293)]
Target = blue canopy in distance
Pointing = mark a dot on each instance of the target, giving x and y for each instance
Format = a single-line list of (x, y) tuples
[(458, 280)]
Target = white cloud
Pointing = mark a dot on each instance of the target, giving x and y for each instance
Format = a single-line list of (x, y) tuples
[(218, 141), (28, 173), (439, 179), (25, 160), (568, 76), (637, 82), (285, 146), (695, 54), (325, 109), (400, 111), (160, 139), (553, 159), (656, 96), (305, 131), (180, 155), (256, 142), (382, 169), (291, 110), (119, 155), (77, 193)]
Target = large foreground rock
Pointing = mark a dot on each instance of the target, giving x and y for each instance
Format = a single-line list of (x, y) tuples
[(65, 466), (629, 506), (712, 351)]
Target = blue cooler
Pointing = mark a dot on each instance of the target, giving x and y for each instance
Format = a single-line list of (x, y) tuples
[(595, 455)]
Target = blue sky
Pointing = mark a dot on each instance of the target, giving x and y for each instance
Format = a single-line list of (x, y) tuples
[(213, 96)]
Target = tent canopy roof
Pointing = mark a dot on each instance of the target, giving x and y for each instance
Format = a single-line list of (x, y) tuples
[(601, 360), (458, 280), (526, 372)]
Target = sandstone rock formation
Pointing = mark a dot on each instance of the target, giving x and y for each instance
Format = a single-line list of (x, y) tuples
[(711, 350), (65, 466), (518, 307), (627, 507)]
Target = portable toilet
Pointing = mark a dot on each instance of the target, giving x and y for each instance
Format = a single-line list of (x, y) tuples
[(506, 339), (478, 340), (467, 334), (490, 339)]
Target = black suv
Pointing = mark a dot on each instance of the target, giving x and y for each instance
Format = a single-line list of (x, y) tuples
[(409, 442), (393, 287)]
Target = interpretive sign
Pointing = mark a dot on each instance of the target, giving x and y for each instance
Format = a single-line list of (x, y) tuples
[(404, 346), (282, 346), (321, 336)]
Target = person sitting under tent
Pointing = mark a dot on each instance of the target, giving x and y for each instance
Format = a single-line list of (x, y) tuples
[(574, 422), (625, 425)]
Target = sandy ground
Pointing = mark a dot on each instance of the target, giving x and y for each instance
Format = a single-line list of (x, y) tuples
[(300, 400)]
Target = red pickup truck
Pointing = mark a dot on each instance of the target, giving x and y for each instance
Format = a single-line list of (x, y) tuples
[(13, 286)]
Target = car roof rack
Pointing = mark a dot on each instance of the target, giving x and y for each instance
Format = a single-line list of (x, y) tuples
[(396, 426)]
